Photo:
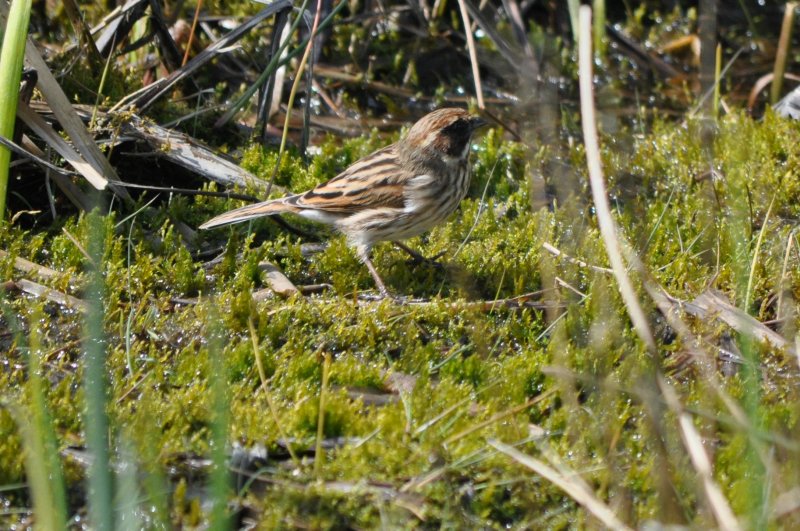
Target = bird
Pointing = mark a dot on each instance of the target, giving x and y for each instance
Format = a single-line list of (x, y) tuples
[(397, 192)]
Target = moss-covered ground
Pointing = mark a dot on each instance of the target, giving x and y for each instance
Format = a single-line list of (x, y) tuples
[(415, 392)]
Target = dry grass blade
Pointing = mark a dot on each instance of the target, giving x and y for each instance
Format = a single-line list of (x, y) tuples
[(272, 86), (577, 490), (117, 29), (39, 126), (88, 47), (518, 25), (608, 228), (61, 177), (527, 300), (192, 32), (783, 51), (67, 117), (473, 56), (694, 446), (170, 53), (24, 153), (713, 303)]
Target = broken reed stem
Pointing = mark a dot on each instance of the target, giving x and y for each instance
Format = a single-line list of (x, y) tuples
[(783, 51), (473, 56), (606, 223)]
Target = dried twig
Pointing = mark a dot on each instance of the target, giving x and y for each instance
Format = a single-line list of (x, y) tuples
[(38, 290), (473, 56), (26, 266), (557, 252)]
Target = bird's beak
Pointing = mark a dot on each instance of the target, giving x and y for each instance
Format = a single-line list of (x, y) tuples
[(476, 122)]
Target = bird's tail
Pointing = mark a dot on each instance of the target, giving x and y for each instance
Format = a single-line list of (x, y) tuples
[(267, 208)]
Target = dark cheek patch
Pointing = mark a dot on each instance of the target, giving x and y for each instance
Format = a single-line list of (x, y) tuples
[(456, 136)]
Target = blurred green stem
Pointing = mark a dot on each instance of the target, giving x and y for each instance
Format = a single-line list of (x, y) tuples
[(101, 484)]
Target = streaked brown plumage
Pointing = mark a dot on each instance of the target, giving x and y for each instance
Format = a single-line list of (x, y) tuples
[(395, 193)]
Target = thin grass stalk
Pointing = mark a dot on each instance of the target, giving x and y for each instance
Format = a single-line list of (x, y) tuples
[(781, 56), (11, 61), (293, 92), (190, 41), (102, 86), (220, 421), (101, 484), (753, 472), (272, 408), (608, 228), (748, 294), (717, 83), (319, 454)]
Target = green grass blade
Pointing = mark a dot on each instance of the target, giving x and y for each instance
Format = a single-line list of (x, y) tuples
[(11, 57)]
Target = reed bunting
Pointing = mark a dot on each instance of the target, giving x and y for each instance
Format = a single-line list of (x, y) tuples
[(395, 193)]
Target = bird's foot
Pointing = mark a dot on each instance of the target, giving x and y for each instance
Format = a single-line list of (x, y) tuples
[(419, 259)]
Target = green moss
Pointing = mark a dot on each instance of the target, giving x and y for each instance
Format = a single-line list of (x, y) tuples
[(467, 371)]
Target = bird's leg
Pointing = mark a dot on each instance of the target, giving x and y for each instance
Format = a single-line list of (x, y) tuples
[(363, 254), (418, 258)]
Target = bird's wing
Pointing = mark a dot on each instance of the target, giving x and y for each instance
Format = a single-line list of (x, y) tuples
[(376, 181)]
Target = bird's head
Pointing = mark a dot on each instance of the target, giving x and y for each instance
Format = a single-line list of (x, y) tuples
[(446, 131)]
